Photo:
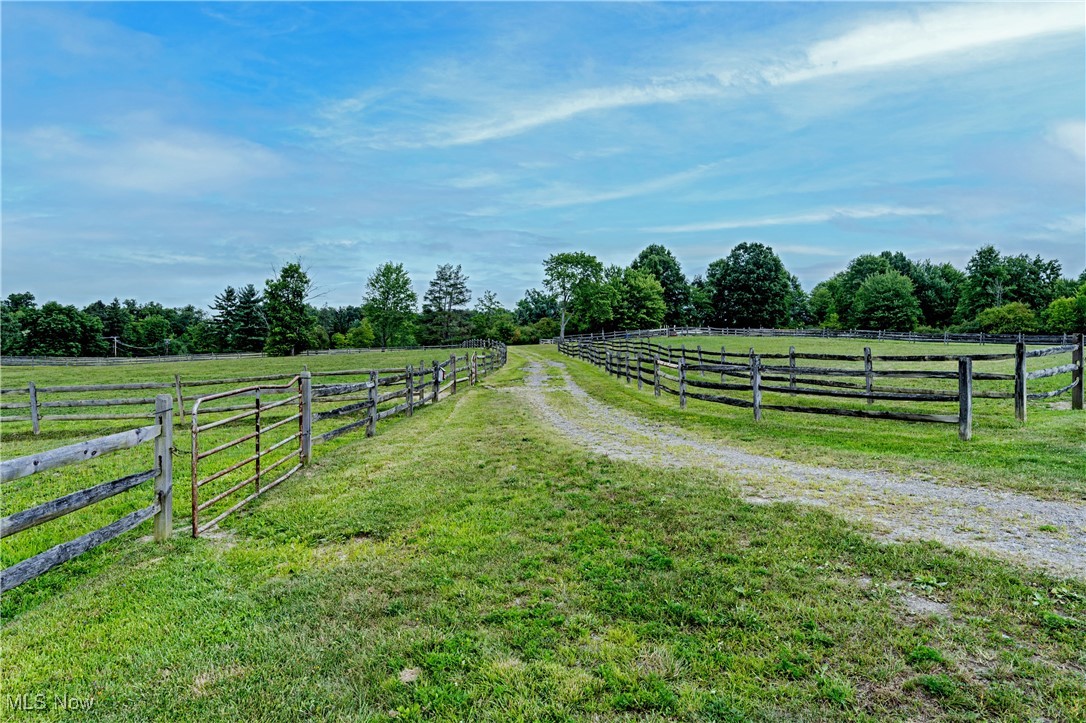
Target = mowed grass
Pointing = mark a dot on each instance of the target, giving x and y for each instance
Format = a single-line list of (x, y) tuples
[(1046, 456), (16, 439), (467, 564)]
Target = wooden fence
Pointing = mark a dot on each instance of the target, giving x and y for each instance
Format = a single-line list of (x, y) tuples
[(83, 361), (52, 403), (633, 359), (945, 337), (368, 402), (161, 509)]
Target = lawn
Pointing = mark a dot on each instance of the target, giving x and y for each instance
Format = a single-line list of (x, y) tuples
[(468, 564), (1045, 456)]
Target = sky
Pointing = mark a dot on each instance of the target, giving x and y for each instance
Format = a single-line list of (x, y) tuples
[(163, 151)]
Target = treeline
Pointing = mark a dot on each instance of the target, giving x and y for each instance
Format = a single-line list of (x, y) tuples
[(749, 288)]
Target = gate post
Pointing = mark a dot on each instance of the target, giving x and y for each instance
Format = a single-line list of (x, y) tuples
[(163, 522), (756, 386), (452, 369), (305, 424), (1020, 382), (1079, 375), (371, 426)]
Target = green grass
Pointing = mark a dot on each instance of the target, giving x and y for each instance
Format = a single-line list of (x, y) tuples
[(506, 575), (1046, 456)]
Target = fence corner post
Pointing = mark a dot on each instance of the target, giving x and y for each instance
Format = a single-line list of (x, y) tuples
[(305, 422), (34, 419), (756, 386), (965, 398), (371, 426), (1020, 381), (163, 521), (1079, 375)]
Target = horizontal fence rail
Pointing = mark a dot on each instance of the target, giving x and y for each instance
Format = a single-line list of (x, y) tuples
[(160, 510), (77, 361), (658, 365), (224, 478), (945, 338), (47, 404)]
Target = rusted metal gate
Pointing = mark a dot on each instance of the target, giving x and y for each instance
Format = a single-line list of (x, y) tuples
[(302, 396)]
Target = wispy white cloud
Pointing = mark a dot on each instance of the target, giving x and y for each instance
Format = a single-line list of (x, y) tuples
[(929, 35), (1070, 136), (802, 219), (148, 157), (561, 195)]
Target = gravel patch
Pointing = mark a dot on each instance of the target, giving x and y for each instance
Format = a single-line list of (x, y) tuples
[(982, 520)]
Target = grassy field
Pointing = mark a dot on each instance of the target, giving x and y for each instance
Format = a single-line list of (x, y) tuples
[(467, 564), (1046, 456), (17, 439)]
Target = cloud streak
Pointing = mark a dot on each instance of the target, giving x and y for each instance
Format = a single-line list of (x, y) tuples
[(802, 219)]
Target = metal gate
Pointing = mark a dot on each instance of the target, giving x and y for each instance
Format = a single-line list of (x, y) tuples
[(298, 390)]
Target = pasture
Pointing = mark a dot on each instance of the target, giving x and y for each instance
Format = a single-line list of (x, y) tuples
[(470, 563)]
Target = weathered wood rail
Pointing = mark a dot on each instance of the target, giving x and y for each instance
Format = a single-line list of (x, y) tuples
[(161, 509), (634, 359), (945, 337), (40, 410), (370, 401)]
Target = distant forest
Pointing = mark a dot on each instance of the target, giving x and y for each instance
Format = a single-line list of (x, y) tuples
[(749, 288)]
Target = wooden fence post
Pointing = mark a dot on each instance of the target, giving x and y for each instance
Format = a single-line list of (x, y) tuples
[(656, 375), (723, 361), (965, 398), (163, 522), (34, 407), (638, 362), (474, 373), (371, 427), (868, 378), (180, 397), (1079, 375), (1020, 382), (305, 382), (410, 387), (699, 355), (452, 368), (756, 386), (682, 381), (627, 357), (437, 381), (792, 368)]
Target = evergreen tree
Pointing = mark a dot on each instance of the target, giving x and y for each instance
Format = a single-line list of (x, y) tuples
[(290, 323), (225, 319), (252, 325), (448, 291)]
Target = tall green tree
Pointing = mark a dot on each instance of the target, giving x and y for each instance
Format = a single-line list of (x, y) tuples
[(290, 322), (751, 288), (447, 292), (389, 303), (225, 319), (937, 288), (886, 302), (640, 301), (658, 261), (986, 285), (251, 331), (536, 305), (564, 274)]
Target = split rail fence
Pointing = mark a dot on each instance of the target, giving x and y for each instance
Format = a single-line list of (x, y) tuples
[(160, 509), (805, 375), (225, 476), (945, 337)]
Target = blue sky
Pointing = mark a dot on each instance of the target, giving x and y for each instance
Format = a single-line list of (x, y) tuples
[(165, 150)]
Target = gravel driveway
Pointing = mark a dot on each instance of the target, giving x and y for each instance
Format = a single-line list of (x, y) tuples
[(1004, 523)]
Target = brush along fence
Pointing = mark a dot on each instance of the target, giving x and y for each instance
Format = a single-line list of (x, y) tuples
[(111, 402), (227, 476), (806, 375), (161, 509)]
